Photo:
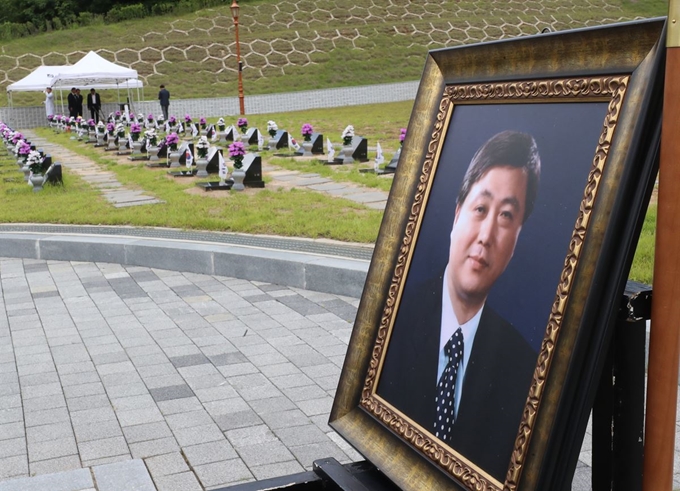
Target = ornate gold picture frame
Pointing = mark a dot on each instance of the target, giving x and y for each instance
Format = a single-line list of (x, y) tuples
[(586, 100)]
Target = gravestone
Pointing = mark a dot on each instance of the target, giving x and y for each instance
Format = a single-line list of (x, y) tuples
[(392, 166), (53, 174), (251, 137), (183, 161), (213, 166), (358, 151), (280, 140), (317, 145), (252, 166)]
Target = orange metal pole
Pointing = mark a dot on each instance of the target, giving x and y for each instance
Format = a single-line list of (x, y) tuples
[(664, 348), (241, 101)]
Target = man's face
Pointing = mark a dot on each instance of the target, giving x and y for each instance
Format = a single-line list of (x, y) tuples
[(485, 231)]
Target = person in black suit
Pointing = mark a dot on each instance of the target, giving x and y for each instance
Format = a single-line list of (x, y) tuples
[(94, 104), (79, 103), (73, 103), (453, 365)]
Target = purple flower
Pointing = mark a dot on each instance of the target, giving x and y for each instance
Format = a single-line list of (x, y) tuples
[(172, 140), (24, 149), (110, 127), (135, 128), (242, 122), (118, 114), (132, 115), (203, 121), (50, 117), (172, 120), (150, 117), (307, 129), (90, 122), (402, 135), (187, 118), (237, 149)]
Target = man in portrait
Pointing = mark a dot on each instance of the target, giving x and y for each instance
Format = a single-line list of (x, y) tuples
[(454, 365)]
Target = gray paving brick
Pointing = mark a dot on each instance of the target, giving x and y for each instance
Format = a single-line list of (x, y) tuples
[(107, 447), (82, 390), (164, 465), (301, 435), (185, 481), (141, 401), (92, 415), (171, 392), (88, 402), (175, 406), (264, 453), (16, 466), (308, 453), (15, 446), (269, 471), (123, 476), (142, 450), (251, 435), (132, 389), (73, 480), (134, 417), (49, 432), (9, 431), (206, 453), (189, 360), (52, 449), (285, 419), (86, 432), (216, 393), (228, 359), (198, 434), (239, 419), (223, 473), (146, 432), (47, 416), (60, 464), (273, 404)]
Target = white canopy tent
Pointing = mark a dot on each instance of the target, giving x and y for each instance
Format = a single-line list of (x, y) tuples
[(91, 72)]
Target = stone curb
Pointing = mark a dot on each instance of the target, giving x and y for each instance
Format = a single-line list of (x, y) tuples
[(335, 275)]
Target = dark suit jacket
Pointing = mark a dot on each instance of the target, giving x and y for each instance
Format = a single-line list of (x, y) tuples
[(94, 103), (164, 97), (72, 104), (495, 387)]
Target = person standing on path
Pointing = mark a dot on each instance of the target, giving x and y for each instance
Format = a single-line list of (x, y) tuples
[(49, 102), (164, 98), (94, 104)]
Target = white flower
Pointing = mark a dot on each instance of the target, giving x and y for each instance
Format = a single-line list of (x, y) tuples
[(150, 133), (34, 157), (203, 142), (349, 132), (271, 126), (220, 122)]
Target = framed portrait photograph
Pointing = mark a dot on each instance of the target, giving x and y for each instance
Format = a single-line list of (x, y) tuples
[(501, 259)]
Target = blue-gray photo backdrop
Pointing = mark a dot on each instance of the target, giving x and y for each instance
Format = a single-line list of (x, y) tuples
[(567, 135)]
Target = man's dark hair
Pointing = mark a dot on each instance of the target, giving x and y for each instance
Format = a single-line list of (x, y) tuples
[(162, 86), (505, 149), (92, 90)]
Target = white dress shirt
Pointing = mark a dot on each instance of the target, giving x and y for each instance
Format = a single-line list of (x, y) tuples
[(449, 325)]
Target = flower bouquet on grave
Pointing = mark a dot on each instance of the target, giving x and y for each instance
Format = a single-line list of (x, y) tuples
[(242, 124), (120, 130), (402, 136), (187, 120), (91, 124), (100, 127), (131, 116), (202, 147), (135, 130), (172, 140), (236, 153), (34, 161), (22, 150), (272, 128), (347, 135), (307, 131), (150, 123), (110, 128), (221, 125), (172, 121), (16, 137), (116, 116), (203, 122), (151, 137)]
